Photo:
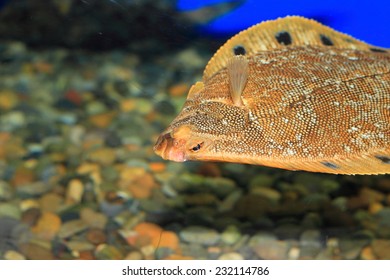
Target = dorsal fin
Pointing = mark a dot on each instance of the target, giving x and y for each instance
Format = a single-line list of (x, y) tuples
[(195, 89), (279, 33), (238, 71)]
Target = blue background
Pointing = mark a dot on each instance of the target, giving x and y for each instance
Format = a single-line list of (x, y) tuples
[(368, 21)]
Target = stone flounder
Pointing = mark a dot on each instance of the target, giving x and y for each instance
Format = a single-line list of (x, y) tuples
[(288, 93)]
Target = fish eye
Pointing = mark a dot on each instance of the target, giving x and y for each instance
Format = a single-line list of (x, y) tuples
[(197, 147)]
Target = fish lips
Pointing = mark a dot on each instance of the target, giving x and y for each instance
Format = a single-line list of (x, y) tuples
[(170, 148)]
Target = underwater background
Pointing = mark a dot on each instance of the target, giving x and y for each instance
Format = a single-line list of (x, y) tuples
[(86, 87)]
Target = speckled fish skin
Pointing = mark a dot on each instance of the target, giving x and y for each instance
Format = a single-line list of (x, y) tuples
[(314, 100)]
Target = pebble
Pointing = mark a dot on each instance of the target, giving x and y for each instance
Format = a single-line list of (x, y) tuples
[(102, 120), (8, 99), (168, 239), (365, 197), (375, 207), (267, 193), (220, 186), (200, 235), (272, 250), (96, 236), (50, 202), (350, 249), (134, 255), (6, 192), (84, 255), (231, 256), (71, 228), (148, 251), (30, 216), (230, 201), (230, 235), (310, 244), (79, 246), (108, 252), (157, 167), (262, 180), (190, 58), (367, 254), (312, 220), (137, 182), (294, 253), (34, 251), (13, 120), (74, 192), (8, 209), (13, 255), (158, 237), (33, 189), (179, 89), (381, 249), (47, 226), (261, 237), (22, 176), (93, 219), (102, 156), (329, 186)]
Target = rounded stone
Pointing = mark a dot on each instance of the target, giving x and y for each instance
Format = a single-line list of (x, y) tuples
[(231, 256), (200, 235)]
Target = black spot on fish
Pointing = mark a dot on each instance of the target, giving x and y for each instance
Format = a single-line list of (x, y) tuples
[(284, 38), (330, 165), (239, 50), (326, 40), (378, 50), (384, 159)]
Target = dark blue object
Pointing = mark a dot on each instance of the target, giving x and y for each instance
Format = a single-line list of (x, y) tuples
[(368, 21)]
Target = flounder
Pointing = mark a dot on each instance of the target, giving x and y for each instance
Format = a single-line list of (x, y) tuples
[(289, 93)]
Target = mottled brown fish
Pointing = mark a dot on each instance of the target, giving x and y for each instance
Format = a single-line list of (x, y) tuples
[(289, 93)]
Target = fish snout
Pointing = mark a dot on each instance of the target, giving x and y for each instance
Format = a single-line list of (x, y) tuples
[(170, 148)]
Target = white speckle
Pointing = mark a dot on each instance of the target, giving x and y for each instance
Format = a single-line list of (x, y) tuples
[(347, 148), (365, 135), (352, 129), (252, 116), (336, 103), (289, 152)]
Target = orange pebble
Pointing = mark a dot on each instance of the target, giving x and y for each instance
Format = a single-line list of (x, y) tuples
[(22, 176), (127, 105), (178, 89), (157, 166), (168, 239), (48, 225), (102, 120), (159, 238)]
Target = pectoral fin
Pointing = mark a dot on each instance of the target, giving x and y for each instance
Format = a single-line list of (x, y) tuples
[(238, 71)]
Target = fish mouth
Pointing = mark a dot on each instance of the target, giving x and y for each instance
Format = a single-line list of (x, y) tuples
[(170, 148)]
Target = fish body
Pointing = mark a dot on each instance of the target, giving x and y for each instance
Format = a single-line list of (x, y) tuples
[(291, 94)]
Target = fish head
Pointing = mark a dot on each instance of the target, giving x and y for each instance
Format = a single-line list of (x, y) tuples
[(202, 130)]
